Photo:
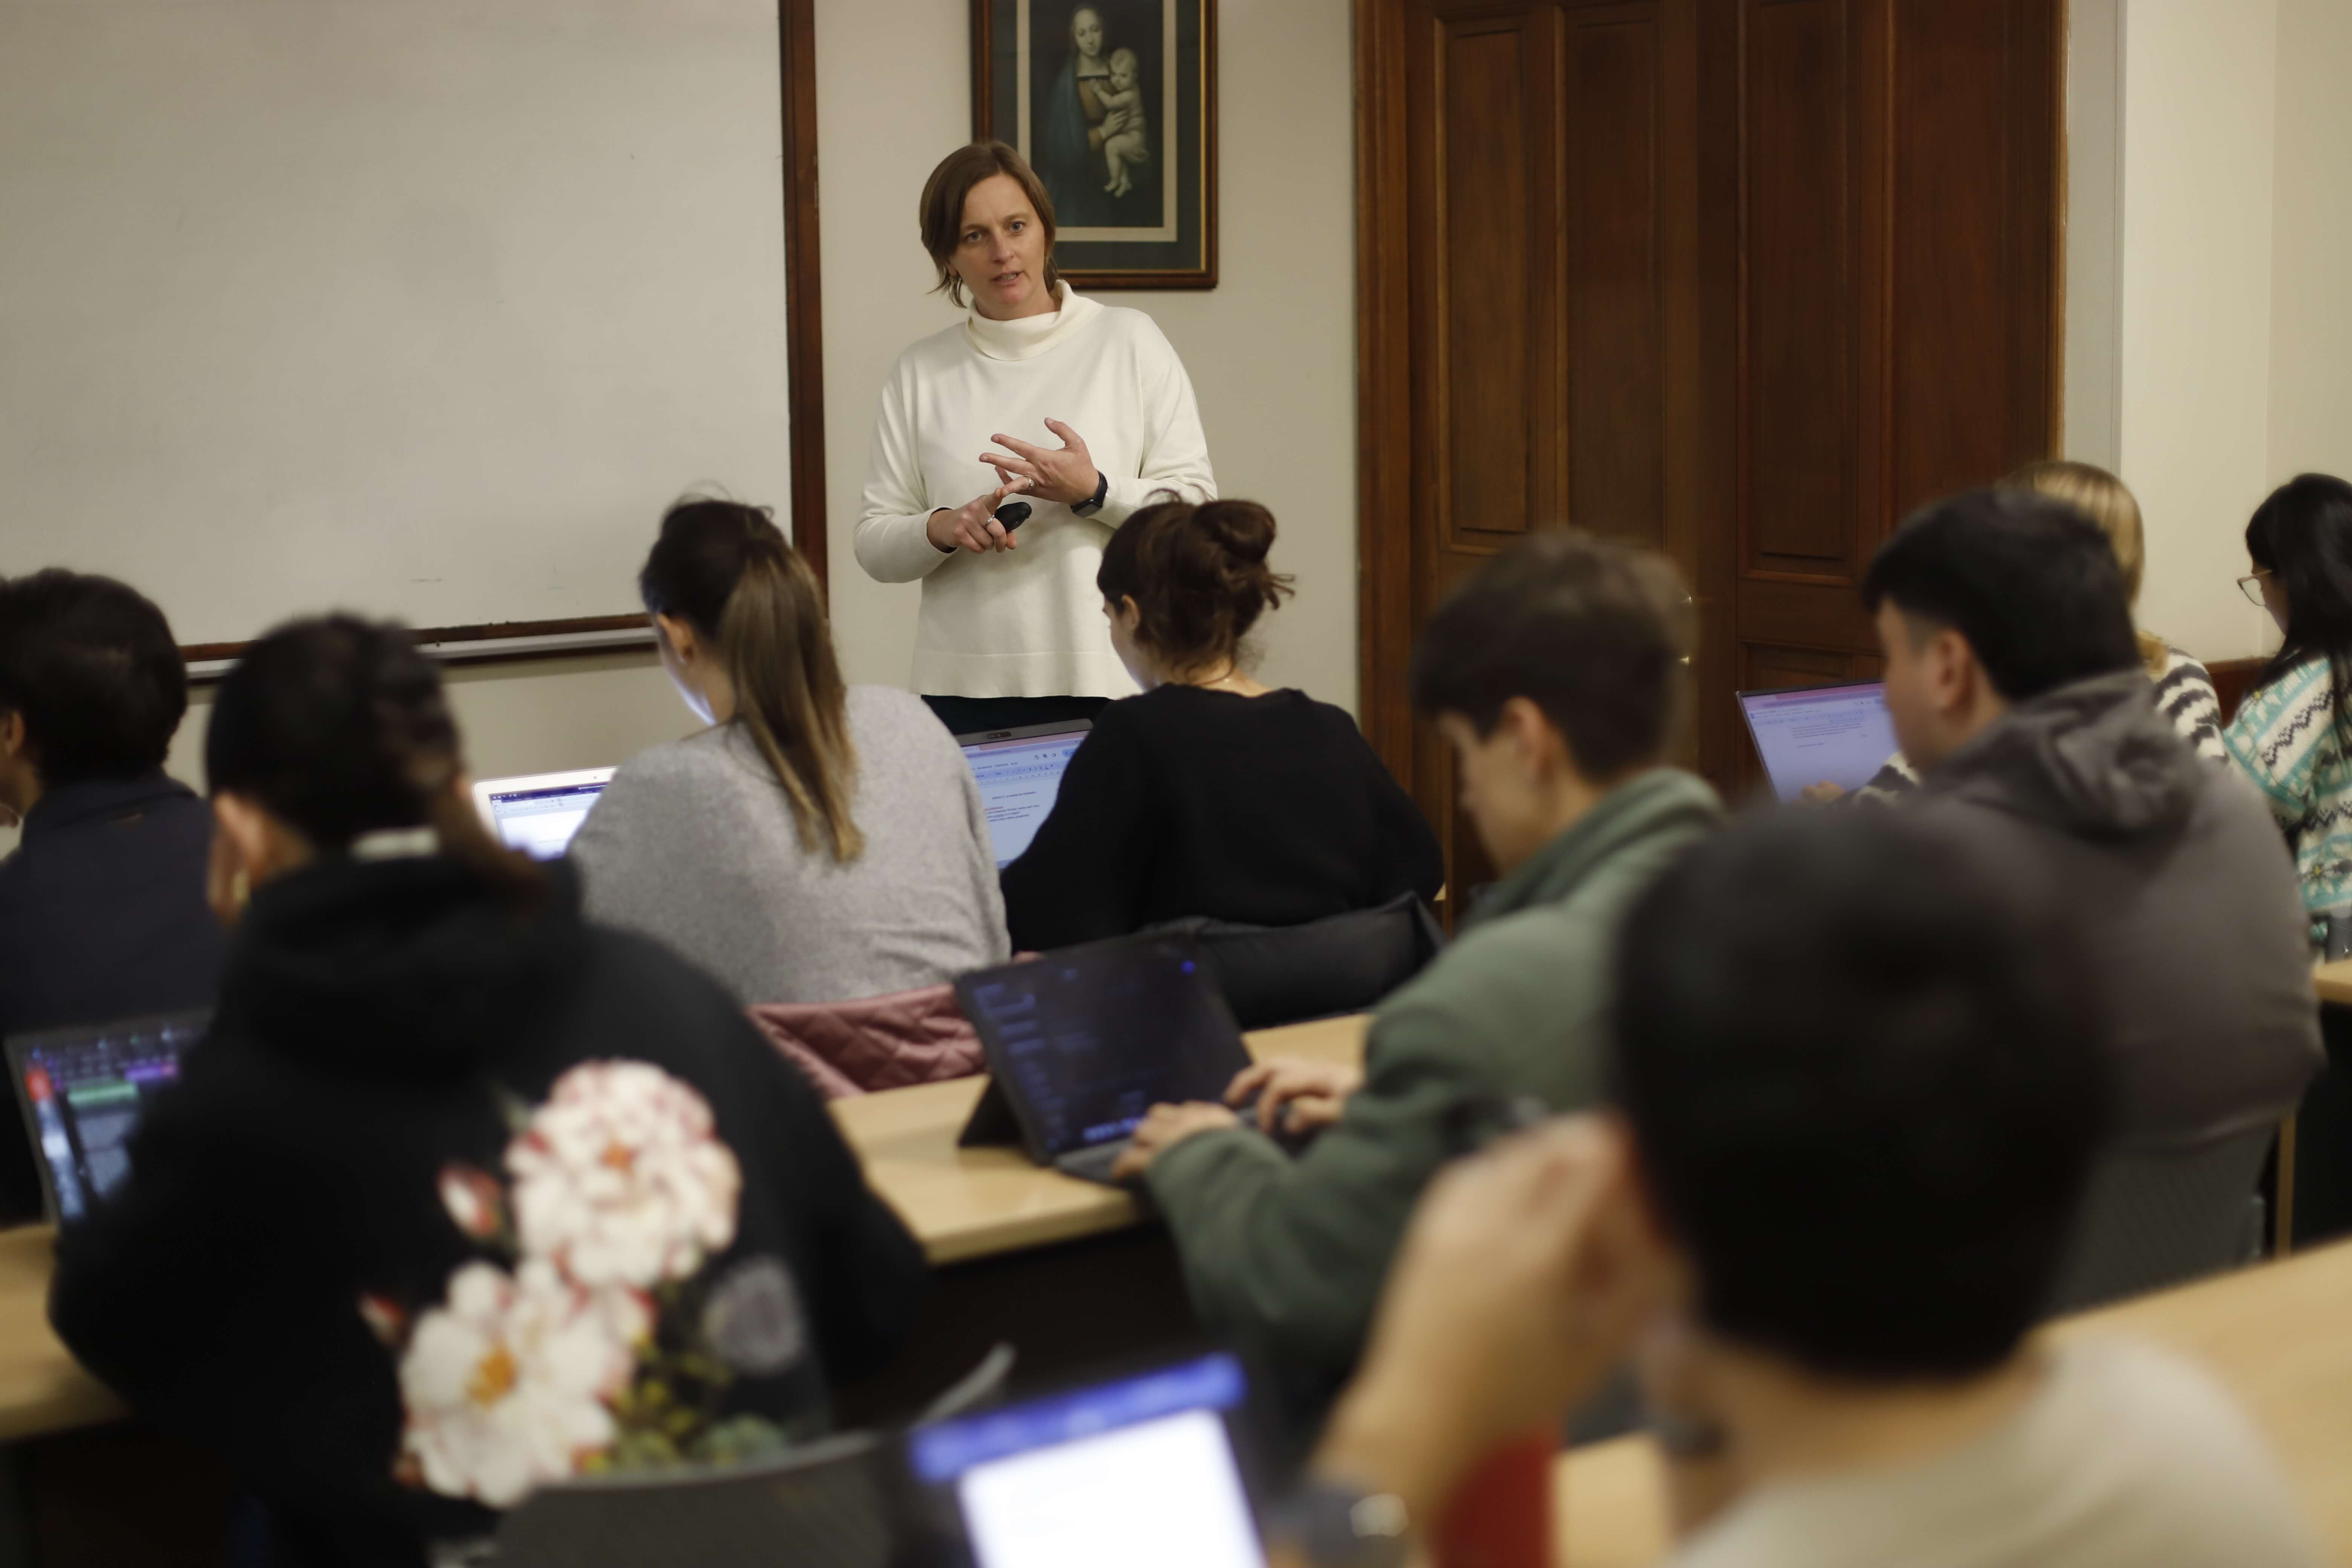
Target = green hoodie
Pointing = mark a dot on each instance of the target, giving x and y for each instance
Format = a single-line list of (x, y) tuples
[(1284, 1258)]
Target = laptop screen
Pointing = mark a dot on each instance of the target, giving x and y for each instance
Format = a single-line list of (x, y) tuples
[(1142, 1472), (1019, 773), (539, 813), (1820, 734), (81, 1092), (1084, 1041)]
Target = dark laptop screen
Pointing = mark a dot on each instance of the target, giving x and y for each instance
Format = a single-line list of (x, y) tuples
[(82, 1090), (1091, 1038)]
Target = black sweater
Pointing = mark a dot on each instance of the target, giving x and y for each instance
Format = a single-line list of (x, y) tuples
[(381, 1025), (1264, 810)]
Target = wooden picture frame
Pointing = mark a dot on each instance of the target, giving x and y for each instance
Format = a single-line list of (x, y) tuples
[(1135, 208)]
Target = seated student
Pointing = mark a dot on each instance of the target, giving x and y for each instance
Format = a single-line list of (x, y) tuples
[(102, 909), (1859, 1097), (1210, 794), (817, 843), (2184, 690), (2289, 735), (461, 1195), (1557, 673), (2014, 682)]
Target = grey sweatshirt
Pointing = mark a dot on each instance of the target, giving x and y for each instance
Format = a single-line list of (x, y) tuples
[(695, 845), (2184, 888)]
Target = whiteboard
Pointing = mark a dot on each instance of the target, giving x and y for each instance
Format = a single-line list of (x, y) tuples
[(422, 308)]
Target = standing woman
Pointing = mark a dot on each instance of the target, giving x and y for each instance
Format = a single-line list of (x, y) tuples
[(1081, 411), (2290, 734)]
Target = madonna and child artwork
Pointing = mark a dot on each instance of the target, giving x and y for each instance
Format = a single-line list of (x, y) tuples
[(1112, 103)]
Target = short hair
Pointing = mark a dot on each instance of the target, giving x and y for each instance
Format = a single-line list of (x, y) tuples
[(1595, 634), (92, 668), (1198, 575), (2029, 581), (1866, 1087), (940, 212)]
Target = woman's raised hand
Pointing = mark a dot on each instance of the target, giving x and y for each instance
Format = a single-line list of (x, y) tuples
[(1065, 474), (973, 526)]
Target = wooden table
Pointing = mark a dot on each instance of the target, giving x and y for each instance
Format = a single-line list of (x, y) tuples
[(977, 1203), (968, 1206), (2334, 982), (2279, 1337)]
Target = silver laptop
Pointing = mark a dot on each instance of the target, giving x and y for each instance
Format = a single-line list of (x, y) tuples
[(539, 813), (1820, 734), (1020, 773)]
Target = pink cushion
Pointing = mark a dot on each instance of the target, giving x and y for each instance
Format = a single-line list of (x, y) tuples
[(875, 1042)]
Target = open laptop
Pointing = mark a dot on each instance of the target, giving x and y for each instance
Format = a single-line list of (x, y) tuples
[(1145, 1471), (1019, 773), (81, 1090), (1082, 1042), (539, 813), (1820, 734)]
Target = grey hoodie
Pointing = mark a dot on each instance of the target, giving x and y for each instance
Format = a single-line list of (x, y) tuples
[(2185, 889)]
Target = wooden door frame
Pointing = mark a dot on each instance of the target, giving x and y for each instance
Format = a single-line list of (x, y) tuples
[(803, 289), (1384, 626)]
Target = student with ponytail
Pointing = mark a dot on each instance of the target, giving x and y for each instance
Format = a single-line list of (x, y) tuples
[(1210, 794), (461, 1197), (817, 842)]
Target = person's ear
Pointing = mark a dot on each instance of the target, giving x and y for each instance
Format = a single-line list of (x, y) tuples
[(683, 643), (1131, 614), (1950, 667), (1538, 747), (12, 733), (249, 847)]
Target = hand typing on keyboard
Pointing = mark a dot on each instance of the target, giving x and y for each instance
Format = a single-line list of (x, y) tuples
[(1163, 1129)]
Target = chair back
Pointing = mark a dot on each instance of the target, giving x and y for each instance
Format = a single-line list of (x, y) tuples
[(821, 1506), (875, 1042), (1341, 963), (2161, 1214)]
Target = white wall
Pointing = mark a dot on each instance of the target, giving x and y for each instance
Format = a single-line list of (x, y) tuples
[(1271, 350), (2311, 260), (2234, 352), (2199, 129)]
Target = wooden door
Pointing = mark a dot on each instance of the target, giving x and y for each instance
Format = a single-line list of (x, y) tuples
[(1742, 280), (1880, 216), (1544, 141)]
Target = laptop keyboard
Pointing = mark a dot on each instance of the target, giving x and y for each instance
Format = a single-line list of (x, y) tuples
[(1092, 1164)]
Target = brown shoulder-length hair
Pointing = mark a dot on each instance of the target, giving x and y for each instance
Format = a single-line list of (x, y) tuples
[(2108, 501), (942, 214), (726, 570)]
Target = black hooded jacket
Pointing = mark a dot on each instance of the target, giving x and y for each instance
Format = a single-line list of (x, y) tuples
[(2185, 893), (380, 1022)]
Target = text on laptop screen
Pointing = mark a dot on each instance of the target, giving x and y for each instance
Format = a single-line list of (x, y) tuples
[(1098, 1035), (540, 822), (1140, 1472), (1831, 734), (84, 1089), (1018, 781)]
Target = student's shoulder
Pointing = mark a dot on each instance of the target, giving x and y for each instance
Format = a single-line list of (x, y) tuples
[(1532, 973)]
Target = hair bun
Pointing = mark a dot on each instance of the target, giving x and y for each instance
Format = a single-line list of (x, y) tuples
[(1243, 529)]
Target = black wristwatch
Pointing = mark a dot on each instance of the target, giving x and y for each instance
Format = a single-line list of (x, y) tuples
[(1335, 1525), (1094, 504)]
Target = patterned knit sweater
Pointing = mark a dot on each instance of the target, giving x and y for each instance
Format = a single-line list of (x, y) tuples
[(2285, 739), (2184, 694)]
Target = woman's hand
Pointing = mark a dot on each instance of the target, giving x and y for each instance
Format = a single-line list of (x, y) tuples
[(1294, 1095), (973, 526), (1066, 474)]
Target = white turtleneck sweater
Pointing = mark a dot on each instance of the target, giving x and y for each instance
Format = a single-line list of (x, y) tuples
[(1025, 622)]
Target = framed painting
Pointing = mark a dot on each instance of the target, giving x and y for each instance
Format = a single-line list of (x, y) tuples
[(1113, 103)]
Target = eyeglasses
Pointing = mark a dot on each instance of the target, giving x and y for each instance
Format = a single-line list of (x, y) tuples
[(2252, 588)]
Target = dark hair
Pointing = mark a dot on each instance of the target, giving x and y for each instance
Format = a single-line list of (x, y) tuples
[(727, 570), (91, 666), (2028, 580), (338, 727), (1198, 576), (940, 212), (1595, 634), (2302, 535), (1865, 1088)]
